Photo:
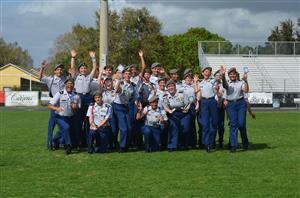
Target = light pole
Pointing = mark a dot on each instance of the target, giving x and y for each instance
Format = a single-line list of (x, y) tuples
[(103, 42)]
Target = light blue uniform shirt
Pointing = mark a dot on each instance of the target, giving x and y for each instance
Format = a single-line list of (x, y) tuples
[(189, 93), (94, 86), (64, 99), (100, 112), (126, 94), (176, 101), (235, 90), (153, 116), (153, 79), (55, 84), (82, 83), (160, 94), (207, 88), (109, 96)]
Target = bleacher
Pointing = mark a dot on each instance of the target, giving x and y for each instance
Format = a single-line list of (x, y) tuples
[(276, 74)]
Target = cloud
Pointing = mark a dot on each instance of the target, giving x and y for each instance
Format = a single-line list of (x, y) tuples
[(36, 24)]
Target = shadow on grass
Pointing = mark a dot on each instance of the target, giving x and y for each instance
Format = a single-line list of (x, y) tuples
[(260, 146)]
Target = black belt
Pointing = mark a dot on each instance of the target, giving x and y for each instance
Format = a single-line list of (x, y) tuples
[(83, 94), (207, 98), (236, 100)]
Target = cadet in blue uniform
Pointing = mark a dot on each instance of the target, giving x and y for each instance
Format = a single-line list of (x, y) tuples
[(108, 96), (179, 118), (220, 108), (190, 98), (64, 103), (175, 77), (82, 87), (160, 92), (125, 93), (237, 107), (154, 118), (206, 90), (55, 84), (99, 114)]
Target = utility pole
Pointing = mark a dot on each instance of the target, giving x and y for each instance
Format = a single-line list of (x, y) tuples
[(103, 42)]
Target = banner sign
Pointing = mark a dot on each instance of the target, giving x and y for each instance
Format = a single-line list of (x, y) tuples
[(260, 98), (21, 98), (45, 96)]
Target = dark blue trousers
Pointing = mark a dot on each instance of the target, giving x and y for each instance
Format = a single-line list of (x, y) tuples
[(193, 134), (64, 125), (99, 140), (82, 122), (121, 113), (208, 120), (51, 125), (237, 115), (151, 138), (220, 126), (113, 133), (179, 123)]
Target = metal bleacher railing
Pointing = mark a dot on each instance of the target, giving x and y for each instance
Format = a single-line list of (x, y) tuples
[(289, 48), (274, 66)]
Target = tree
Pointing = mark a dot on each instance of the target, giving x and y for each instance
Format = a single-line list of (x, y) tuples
[(285, 32), (13, 53), (181, 51), (129, 31)]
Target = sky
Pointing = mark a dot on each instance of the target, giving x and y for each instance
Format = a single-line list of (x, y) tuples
[(35, 24)]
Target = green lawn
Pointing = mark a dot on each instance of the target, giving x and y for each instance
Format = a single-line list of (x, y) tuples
[(270, 169)]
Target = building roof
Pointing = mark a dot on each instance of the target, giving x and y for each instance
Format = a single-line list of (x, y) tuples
[(30, 71)]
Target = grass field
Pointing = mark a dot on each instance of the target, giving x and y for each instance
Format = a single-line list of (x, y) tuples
[(270, 169)]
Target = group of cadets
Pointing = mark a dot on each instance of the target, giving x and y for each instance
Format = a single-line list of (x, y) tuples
[(128, 108)]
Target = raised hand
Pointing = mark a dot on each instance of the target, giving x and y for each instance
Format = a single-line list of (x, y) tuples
[(223, 70), (44, 64), (141, 53), (73, 53), (162, 71), (92, 54), (245, 76), (196, 78), (139, 106)]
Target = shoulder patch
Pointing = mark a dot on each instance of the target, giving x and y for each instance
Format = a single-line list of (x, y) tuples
[(107, 105), (61, 92)]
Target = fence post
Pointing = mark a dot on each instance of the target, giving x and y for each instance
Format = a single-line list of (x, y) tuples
[(294, 48)]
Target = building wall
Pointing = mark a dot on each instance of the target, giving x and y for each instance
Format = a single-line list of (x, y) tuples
[(11, 77)]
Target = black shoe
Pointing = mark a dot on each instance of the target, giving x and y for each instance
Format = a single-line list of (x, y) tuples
[(208, 149), (91, 150), (221, 146), (50, 147), (55, 146), (68, 150), (232, 150), (171, 150), (245, 148), (122, 150)]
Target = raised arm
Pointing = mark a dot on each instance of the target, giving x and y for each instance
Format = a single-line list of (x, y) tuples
[(43, 66), (246, 85), (73, 57), (93, 57), (100, 76), (139, 114), (224, 81), (143, 64)]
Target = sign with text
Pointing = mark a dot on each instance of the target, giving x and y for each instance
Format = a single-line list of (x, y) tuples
[(21, 98), (260, 98)]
